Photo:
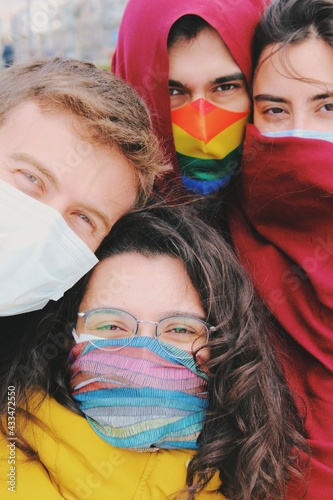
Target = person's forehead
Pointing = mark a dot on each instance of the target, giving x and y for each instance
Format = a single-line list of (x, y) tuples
[(207, 37), (299, 60), (204, 56), (129, 278)]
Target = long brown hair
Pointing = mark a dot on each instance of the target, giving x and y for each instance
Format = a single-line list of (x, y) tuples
[(252, 432)]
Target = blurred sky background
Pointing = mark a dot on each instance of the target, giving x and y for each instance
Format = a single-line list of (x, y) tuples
[(84, 29)]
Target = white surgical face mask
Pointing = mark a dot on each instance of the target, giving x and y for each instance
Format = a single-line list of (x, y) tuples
[(305, 134), (40, 256)]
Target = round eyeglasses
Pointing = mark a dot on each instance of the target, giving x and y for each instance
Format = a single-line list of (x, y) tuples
[(184, 332)]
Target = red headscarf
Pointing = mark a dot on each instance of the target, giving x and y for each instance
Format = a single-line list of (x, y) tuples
[(141, 56), (283, 233)]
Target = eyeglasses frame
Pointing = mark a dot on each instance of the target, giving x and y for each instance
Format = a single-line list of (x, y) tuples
[(85, 314)]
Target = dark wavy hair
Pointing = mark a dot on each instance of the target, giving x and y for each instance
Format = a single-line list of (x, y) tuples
[(252, 433), (288, 22)]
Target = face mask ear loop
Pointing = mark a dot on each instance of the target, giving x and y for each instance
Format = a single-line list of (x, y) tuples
[(75, 335)]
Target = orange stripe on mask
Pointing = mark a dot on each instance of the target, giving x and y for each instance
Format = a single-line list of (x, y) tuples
[(203, 120), (217, 148)]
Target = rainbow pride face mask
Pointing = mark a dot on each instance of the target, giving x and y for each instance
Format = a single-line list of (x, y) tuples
[(208, 143)]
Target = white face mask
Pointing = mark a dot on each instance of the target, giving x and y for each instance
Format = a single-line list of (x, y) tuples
[(305, 134), (40, 256)]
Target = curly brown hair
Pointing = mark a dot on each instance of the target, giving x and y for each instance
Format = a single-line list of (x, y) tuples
[(252, 433)]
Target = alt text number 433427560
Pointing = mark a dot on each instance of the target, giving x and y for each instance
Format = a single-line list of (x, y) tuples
[(11, 407)]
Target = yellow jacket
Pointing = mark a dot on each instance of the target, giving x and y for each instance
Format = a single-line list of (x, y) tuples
[(76, 464)]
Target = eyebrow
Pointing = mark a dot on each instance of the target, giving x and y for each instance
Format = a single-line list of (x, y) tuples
[(175, 83), (37, 164), (273, 98), (216, 81), (229, 78), (319, 97), (44, 170), (268, 97), (183, 313)]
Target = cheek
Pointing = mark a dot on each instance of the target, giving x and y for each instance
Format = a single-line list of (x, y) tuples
[(257, 119), (7, 176), (244, 99), (79, 327), (177, 101)]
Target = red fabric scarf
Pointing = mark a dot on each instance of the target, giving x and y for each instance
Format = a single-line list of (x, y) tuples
[(141, 56), (283, 233)]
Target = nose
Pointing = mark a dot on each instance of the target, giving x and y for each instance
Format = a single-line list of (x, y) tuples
[(301, 121), (147, 328), (200, 94), (59, 204)]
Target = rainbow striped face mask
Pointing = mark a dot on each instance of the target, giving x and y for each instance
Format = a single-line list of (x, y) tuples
[(208, 143), (140, 396)]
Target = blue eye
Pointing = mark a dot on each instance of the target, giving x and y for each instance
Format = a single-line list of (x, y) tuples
[(31, 178), (84, 218)]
